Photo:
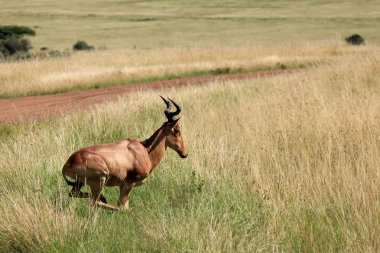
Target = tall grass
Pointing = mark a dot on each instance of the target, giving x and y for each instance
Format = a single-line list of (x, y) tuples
[(289, 163)]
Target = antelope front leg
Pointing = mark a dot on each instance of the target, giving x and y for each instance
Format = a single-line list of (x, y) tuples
[(125, 189)]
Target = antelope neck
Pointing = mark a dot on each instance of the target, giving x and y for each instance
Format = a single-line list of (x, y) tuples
[(156, 147)]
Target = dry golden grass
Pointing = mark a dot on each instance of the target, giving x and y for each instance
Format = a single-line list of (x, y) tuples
[(290, 163), (115, 67), (35, 220)]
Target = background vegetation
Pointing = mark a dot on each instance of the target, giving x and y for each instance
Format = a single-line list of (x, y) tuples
[(191, 23), (12, 42)]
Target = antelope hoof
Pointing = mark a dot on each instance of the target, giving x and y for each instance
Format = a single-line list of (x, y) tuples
[(124, 206)]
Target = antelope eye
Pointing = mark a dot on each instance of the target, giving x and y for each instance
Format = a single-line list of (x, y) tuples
[(176, 131)]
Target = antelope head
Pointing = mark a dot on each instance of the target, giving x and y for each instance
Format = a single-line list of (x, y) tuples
[(173, 130)]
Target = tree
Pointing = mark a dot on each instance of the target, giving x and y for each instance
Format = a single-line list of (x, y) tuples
[(12, 41), (15, 31)]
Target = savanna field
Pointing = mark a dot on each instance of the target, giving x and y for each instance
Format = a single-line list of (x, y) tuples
[(289, 163)]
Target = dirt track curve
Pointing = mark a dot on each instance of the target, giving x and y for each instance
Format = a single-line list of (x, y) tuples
[(55, 105)]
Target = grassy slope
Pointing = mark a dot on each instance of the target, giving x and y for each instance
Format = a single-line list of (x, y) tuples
[(125, 24), (281, 164)]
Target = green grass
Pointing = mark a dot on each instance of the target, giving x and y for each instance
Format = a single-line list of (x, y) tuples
[(7, 130)]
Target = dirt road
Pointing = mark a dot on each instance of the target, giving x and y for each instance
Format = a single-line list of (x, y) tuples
[(47, 106)]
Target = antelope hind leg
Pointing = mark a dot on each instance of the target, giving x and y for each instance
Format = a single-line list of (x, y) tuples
[(77, 193), (107, 206)]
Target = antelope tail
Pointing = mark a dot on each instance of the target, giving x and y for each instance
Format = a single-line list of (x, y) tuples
[(68, 181)]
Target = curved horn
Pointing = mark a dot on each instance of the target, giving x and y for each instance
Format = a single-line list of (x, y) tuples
[(170, 115), (168, 107), (177, 107)]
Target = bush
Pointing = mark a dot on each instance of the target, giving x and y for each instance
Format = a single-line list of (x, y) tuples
[(11, 41), (355, 39), (82, 45), (220, 71)]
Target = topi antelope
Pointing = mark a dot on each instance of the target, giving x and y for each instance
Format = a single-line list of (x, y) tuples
[(125, 164)]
